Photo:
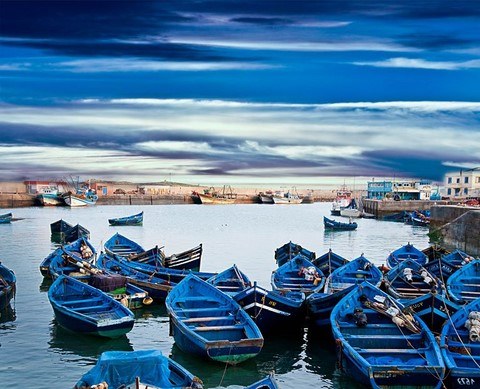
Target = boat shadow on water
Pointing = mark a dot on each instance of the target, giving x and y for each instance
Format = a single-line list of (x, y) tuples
[(280, 355), (7, 315), (67, 343)]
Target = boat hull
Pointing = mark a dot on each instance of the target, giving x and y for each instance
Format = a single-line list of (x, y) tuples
[(271, 311), (50, 200), (215, 200), (74, 201)]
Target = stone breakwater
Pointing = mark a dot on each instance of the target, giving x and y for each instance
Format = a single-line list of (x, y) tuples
[(455, 227)]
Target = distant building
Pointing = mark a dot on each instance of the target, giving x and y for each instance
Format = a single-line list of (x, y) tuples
[(399, 190), (463, 184), (38, 187)]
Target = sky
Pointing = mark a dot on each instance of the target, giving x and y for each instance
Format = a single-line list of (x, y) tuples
[(227, 91)]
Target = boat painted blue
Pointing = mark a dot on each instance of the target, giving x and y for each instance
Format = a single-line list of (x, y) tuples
[(173, 275), (298, 275), (461, 350), (157, 288), (122, 246), (463, 286), (75, 233), (120, 369), (230, 281), (376, 351), (6, 218), (266, 383), (404, 252), (458, 258), (7, 286), (433, 309), (339, 284), (290, 250), (329, 262), (441, 269), (76, 248), (272, 311), (434, 252), (79, 307), (59, 227), (409, 280), (133, 220), (331, 224), (206, 322)]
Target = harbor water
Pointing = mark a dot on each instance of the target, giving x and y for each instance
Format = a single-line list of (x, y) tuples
[(36, 353)]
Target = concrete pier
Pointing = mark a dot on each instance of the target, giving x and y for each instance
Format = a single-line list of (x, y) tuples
[(381, 208), (456, 227)]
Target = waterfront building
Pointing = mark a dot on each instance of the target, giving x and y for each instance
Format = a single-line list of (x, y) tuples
[(399, 190), (463, 184), (40, 187)]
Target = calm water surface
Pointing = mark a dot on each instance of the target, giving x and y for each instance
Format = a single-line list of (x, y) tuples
[(36, 353)]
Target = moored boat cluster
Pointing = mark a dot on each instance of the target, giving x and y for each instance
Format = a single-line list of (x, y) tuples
[(413, 322)]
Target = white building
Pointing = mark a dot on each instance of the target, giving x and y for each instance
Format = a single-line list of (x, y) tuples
[(463, 184)]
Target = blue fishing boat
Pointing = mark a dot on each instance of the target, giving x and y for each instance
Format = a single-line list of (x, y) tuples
[(6, 218), (122, 246), (230, 281), (272, 311), (75, 233), (464, 285), (137, 369), (81, 198), (206, 322), (59, 227), (459, 342), (133, 220), (68, 263), (433, 309), (338, 285), (298, 275), (458, 258), (380, 346), (404, 252), (329, 262), (396, 217), (333, 225), (186, 260), (267, 383), (441, 269), (81, 248), (157, 288), (290, 250), (409, 280), (172, 275), (7, 286), (79, 307)]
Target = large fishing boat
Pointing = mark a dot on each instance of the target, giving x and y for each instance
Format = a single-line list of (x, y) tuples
[(342, 200)]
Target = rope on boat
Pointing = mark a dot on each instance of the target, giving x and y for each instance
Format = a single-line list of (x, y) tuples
[(226, 366)]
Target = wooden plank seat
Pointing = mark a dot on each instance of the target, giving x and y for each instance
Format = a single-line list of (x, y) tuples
[(208, 310), (219, 328), (371, 336), (467, 344), (206, 318), (92, 308), (391, 350), (77, 302)]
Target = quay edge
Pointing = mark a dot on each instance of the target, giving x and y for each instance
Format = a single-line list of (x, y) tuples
[(456, 227)]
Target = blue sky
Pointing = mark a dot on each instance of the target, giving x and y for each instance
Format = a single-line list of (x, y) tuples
[(239, 91)]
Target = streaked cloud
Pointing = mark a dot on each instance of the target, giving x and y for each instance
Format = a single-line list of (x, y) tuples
[(211, 138), (326, 46), (139, 65), (418, 63)]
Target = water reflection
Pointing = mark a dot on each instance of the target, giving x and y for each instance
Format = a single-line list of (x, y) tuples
[(281, 355), (45, 285), (90, 347), (321, 357), (7, 315)]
